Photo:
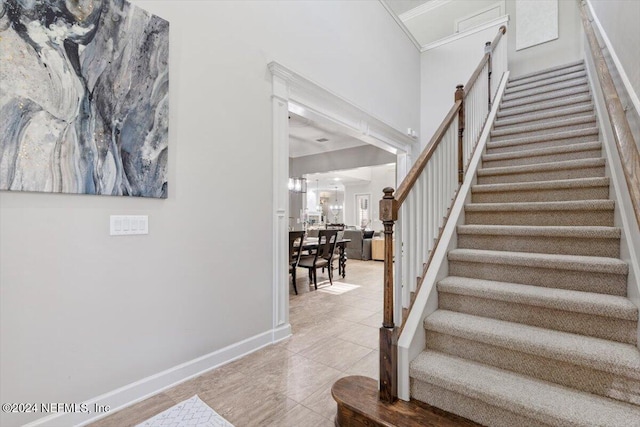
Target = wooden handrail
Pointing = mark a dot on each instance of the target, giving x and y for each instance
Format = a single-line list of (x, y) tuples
[(502, 30), (490, 47), (421, 162), (389, 209), (625, 143)]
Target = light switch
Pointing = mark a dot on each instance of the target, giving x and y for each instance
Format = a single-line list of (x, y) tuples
[(124, 225)]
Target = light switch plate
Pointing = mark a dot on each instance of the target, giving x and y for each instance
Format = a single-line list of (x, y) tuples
[(126, 225)]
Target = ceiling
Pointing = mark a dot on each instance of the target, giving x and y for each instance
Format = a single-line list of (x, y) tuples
[(331, 180), (307, 138), (430, 21), (402, 6)]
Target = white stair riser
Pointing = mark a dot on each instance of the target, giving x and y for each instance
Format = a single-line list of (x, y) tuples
[(608, 328), (604, 247), (575, 280), (556, 371), (512, 94), (470, 408), (585, 123), (549, 175), (545, 107), (547, 158), (543, 195), (544, 76), (544, 97)]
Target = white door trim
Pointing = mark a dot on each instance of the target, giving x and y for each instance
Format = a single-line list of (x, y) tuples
[(295, 93)]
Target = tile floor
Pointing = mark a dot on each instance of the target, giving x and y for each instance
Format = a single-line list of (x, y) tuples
[(289, 383)]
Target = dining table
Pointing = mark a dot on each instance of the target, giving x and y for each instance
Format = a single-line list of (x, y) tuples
[(311, 243)]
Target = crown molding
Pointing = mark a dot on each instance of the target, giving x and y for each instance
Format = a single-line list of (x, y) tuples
[(401, 24), (495, 22), (422, 9)]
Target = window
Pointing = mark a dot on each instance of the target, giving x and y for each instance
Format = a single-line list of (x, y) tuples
[(363, 210)]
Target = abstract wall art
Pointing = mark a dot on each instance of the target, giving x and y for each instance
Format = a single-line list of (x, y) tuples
[(84, 98), (536, 22)]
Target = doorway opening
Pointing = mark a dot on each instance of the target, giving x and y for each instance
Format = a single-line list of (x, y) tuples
[(299, 103)]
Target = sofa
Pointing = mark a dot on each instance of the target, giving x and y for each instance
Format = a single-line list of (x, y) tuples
[(360, 245)]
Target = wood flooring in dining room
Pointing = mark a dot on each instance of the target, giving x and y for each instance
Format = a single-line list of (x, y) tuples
[(289, 383)]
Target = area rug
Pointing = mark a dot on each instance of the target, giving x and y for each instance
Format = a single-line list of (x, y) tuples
[(337, 288), (189, 413)]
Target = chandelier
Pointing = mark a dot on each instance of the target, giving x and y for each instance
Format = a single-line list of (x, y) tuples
[(335, 208), (298, 185)]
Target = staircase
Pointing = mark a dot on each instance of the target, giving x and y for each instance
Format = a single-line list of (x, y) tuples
[(533, 326)]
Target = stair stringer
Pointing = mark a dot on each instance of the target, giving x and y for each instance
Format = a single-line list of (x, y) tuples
[(624, 216), (412, 341)]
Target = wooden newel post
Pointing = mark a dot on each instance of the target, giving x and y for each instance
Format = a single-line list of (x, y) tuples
[(487, 51), (460, 97), (388, 331)]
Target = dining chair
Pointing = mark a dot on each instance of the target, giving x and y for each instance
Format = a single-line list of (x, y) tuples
[(321, 258), (335, 255), (295, 246)]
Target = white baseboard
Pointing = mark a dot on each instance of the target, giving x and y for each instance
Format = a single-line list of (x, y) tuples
[(140, 390), (281, 333)]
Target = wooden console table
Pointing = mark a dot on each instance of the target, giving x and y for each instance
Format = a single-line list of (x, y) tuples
[(377, 249)]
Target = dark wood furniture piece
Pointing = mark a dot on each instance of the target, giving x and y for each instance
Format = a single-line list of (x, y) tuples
[(341, 245), (295, 242), (321, 257)]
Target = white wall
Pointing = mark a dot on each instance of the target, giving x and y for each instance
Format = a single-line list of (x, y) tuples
[(450, 64), (619, 20), (381, 177), (443, 68), (83, 313), (566, 48)]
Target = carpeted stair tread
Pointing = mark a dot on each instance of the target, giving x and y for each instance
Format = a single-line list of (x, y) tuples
[(571, 205), (538, 117), (549, 87), (575, 75), (541, 185), (545, 97), (542, 167), (539, 400), (534, 326), (588, 132), (584, 232), (587, 264), (561, 299), (588, 240), (557, 103), (562, 149), (590, 118), (563, 68), (544, 75), (596, 353)]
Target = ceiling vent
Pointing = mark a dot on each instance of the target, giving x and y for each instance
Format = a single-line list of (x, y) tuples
[(322, 140)]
